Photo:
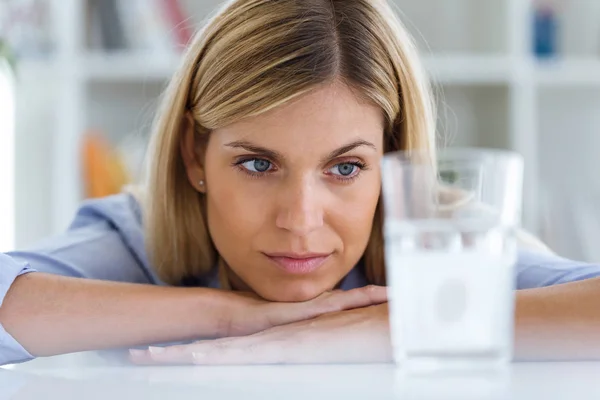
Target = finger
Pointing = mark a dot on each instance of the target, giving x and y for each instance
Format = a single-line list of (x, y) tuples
[(327, 303), (140, 357), (176, 355), (250, 350), (376, 294), (356, 298), (229, 351)]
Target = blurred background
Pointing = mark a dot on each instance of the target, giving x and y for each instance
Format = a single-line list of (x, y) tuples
[(515, 74)]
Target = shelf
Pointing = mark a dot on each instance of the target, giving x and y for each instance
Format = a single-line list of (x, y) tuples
[(468, 69), (568, 72), (117, 67), (36, 68), (445, 69), (451, 69)]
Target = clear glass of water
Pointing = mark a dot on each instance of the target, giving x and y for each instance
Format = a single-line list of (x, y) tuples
[(450, 224)]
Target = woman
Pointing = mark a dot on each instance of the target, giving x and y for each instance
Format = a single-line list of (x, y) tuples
[(261, 200)]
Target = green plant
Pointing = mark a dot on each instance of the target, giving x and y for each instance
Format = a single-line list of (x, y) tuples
[(448, 176), (7, 54)]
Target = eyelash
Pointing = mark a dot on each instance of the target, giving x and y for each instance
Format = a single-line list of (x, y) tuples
[(359, 164), (238, 164)]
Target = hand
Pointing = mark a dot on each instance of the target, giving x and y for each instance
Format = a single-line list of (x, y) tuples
[(356, 336), (251, 314)]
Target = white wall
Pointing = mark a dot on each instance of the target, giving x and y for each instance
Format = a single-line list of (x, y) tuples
[(455, 25), (36, 94), (7, 167), (570, 169)]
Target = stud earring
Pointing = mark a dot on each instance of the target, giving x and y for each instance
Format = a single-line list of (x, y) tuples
[(201, 183)]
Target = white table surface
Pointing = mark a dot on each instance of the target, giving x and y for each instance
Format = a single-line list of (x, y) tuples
[(89, 376)]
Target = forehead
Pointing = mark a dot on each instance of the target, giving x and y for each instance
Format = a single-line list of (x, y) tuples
[(332, 114)]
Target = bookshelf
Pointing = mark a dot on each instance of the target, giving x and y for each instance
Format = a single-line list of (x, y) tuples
[(491, 90)]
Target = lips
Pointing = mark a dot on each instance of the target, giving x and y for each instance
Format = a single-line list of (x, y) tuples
[(298, 264)]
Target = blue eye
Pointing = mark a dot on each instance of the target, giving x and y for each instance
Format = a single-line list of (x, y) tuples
[(345, 170), (257, 165)]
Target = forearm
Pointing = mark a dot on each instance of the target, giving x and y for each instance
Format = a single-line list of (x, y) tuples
[(51, 315), (558, 322), (355, 336)]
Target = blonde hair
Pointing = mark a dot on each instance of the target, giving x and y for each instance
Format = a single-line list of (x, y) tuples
[(255, 55)]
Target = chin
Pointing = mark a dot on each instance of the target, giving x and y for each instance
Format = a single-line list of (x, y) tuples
[(293, 292)]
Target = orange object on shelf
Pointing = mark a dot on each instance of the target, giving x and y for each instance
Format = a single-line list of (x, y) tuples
[(103, 170)]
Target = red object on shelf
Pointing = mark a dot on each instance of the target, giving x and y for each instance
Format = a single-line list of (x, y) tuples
[(180, 24)]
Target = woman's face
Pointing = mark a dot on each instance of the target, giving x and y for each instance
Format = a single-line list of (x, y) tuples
[(291, 194)]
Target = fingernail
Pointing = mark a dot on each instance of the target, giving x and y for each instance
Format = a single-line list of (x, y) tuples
[(156, 350), (136, 352), (198, 357)]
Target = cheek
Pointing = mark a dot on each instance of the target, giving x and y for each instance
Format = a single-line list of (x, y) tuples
[(236, 216), (353, 214)]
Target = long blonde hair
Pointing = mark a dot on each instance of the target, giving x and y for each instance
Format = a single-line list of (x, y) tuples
[(255, 55)]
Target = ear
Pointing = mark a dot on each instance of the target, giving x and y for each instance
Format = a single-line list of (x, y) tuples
[(192, 152)]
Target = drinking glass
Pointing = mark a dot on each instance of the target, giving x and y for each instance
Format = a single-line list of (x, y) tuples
[(450, 248)]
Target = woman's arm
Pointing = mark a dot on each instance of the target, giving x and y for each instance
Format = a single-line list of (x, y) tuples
[(560, 322), (354, 336), (557, 322), (50, 314)]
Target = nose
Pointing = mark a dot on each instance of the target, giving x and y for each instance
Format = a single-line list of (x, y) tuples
[(300, 208)]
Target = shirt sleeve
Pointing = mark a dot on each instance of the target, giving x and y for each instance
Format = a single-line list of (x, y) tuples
[(538, 269), (10, 350), (104, 241)]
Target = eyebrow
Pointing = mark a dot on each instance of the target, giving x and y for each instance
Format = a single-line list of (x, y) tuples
[(348, 148), (242, 144), (272, 154)]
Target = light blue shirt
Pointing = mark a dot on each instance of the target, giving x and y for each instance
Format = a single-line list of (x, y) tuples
[(105, 241)]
